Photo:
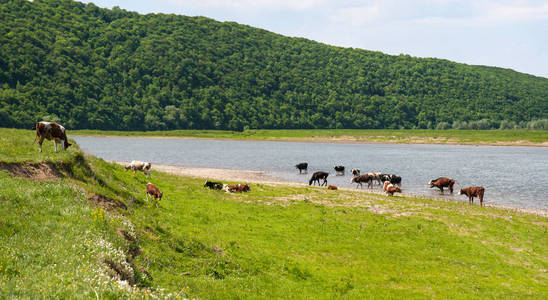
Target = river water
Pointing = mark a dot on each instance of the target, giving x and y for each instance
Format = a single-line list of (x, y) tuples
[(512, 176)]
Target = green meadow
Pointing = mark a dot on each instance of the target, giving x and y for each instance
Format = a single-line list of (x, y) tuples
[(524, 137), (75, 226)]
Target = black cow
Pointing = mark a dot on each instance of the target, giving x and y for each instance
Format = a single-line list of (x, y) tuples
[(213, 185), (317, 176), (302, 166), (339, 170)]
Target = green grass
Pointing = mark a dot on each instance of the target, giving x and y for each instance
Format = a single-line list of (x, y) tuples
[(350, 135), (274, 242)]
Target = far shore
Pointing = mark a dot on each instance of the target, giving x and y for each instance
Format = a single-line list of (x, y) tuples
[(412, 140), (260, 177)]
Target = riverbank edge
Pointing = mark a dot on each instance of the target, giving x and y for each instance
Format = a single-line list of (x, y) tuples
[(260, 177), (343, 140)]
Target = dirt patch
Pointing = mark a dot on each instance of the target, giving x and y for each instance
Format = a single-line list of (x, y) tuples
[(106, 202), (35, 171)]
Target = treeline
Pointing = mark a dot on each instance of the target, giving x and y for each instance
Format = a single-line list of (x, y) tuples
[(95, 68)]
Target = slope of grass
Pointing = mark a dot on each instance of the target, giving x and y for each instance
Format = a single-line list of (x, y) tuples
[(274, 242), (524, 137)]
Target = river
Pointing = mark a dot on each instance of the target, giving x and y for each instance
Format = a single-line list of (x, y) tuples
[(512, 175)]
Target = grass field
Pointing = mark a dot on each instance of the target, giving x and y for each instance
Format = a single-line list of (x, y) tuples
[(87, 231), (502, 137)]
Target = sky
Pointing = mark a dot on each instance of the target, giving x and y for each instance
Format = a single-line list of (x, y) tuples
[(506, 33)]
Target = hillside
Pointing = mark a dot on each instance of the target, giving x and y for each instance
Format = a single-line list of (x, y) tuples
[(94, 68), (74, 226)]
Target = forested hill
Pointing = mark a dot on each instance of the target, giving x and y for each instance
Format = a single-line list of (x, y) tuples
[(89, 67)]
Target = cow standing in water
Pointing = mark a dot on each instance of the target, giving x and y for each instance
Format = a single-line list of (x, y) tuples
[(442, 182), (51, 131), (302, 166), (473, 191)]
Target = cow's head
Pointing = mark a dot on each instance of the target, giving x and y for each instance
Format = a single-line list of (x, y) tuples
[(67, 144)]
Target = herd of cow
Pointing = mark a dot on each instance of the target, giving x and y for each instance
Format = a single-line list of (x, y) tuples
[(391, 182)]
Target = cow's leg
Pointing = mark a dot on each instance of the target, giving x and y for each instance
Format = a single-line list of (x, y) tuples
[(441, 189), (481, 200), (55, 145), (40, 143)]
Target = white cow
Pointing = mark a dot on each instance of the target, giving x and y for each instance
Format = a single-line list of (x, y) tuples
[(136, 165)]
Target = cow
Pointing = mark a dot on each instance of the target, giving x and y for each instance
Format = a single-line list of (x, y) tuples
[(239, 188), (339, 170), (332, 187), (317, 176), (302, 166), (473, 191), (384, 177), (213, 185), (51, 131), (360, 179), (152, 190), (137, 165), (395, 180), (442, 182), (355, 172), (390, 189), (375, 176)]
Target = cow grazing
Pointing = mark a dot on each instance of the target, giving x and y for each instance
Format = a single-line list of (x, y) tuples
[(51, 131), (355, 172), (391, 189), (136, 165), (213, 185), (302, 166), (473, 191), (317, 176), (339, 170), (237, 188), (360, 179), (332, 187), (442, 182), (154, 192)]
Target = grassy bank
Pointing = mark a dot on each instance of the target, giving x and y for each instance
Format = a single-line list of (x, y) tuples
[(86, 230), (501, 137)]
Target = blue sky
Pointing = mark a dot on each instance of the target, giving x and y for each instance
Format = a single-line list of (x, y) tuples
[(508, 33)]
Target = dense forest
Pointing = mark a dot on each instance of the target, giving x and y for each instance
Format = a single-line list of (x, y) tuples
[(96, 68)]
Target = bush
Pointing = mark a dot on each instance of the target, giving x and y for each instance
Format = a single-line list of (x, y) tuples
[(506, 125), (443, 126), (538, 124)]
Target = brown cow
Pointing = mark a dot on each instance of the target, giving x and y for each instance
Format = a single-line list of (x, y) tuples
[(390, 189), (151, 189), (442, 182), (473, 191), (237, 188), (360, 179), (332, 187), (51, 131)]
